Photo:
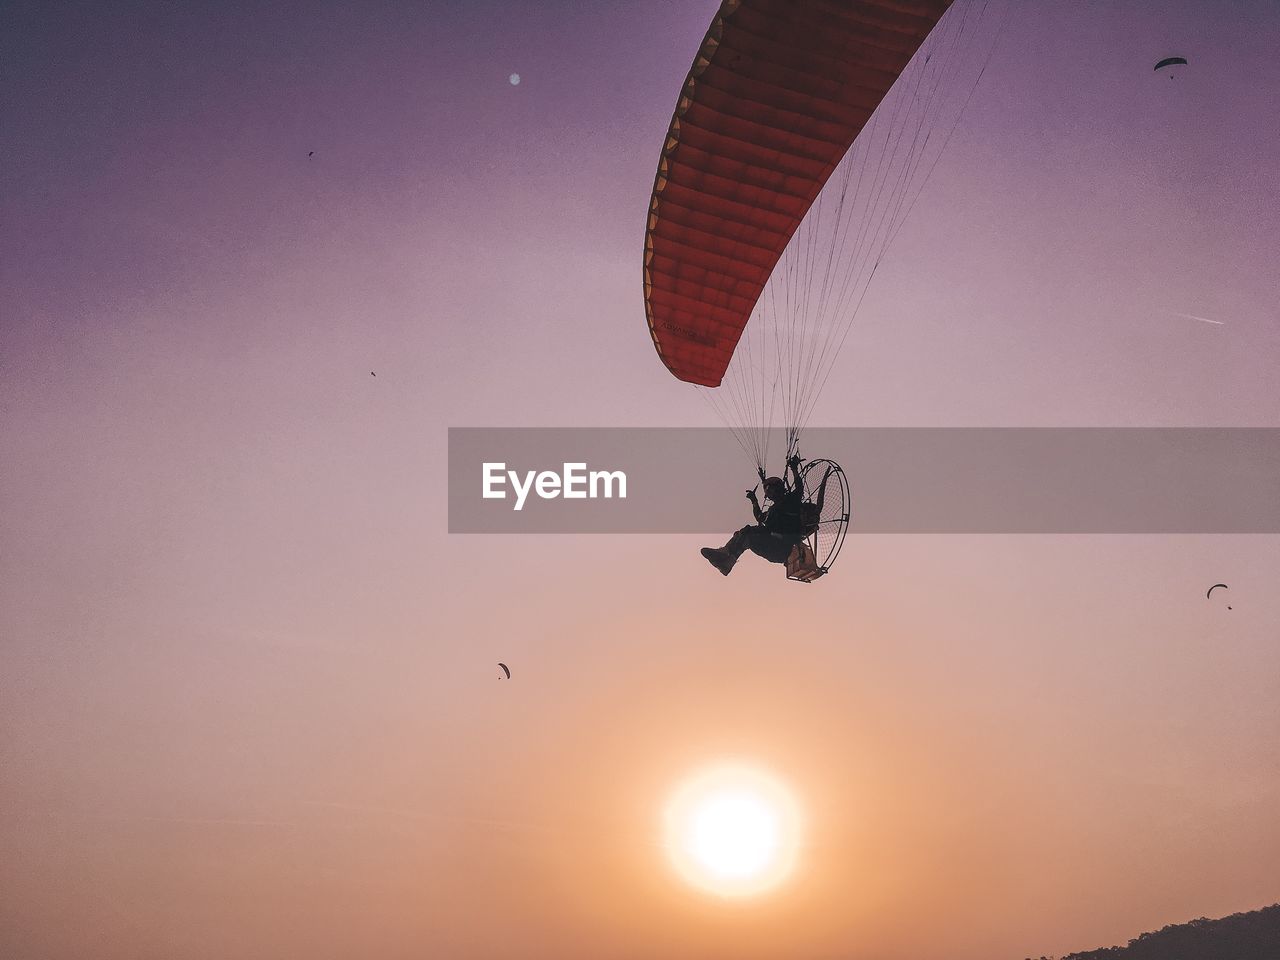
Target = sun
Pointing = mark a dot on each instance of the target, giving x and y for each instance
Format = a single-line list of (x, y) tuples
[(733, 830)]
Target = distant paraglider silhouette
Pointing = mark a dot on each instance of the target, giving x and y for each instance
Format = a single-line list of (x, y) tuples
[(1209, 594), (506, 670), (1170, 62)]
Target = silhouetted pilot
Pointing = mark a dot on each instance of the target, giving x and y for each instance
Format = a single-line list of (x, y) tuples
[(777, 530)]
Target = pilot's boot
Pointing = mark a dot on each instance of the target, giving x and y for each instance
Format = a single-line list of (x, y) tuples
[(724, 558), (718, 559)]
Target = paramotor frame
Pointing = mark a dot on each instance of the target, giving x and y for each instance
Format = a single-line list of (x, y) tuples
[(826, 495)]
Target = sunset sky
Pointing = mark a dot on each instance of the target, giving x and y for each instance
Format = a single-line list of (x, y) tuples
[(250, 704)]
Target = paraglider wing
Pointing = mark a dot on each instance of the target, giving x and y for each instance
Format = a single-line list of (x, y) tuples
[(776, 95), (1171, 61), (506, 670)]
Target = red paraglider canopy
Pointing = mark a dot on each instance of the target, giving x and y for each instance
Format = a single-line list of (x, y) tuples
[(776, 95)]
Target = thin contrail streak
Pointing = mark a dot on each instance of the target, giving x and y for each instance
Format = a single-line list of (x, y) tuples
[(1192, 316)]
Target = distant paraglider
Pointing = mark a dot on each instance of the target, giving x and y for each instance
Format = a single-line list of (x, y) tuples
[(1209, 594), (1171, 62), (506, 670)]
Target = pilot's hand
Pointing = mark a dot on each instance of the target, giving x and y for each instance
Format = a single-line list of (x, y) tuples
[(795, 460), (751, 495)]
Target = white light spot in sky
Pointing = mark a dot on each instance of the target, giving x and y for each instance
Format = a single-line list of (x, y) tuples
[(515, 79)]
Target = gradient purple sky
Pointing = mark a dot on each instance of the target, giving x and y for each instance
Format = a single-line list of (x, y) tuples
[(249, 702)]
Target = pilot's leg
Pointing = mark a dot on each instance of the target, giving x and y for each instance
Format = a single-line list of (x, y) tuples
[(769, 546), (724, 558)]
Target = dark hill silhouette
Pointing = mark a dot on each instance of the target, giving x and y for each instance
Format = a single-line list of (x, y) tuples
[(1241, 936)]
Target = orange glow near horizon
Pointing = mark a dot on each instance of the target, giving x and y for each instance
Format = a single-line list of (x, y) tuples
[(733, 830)]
